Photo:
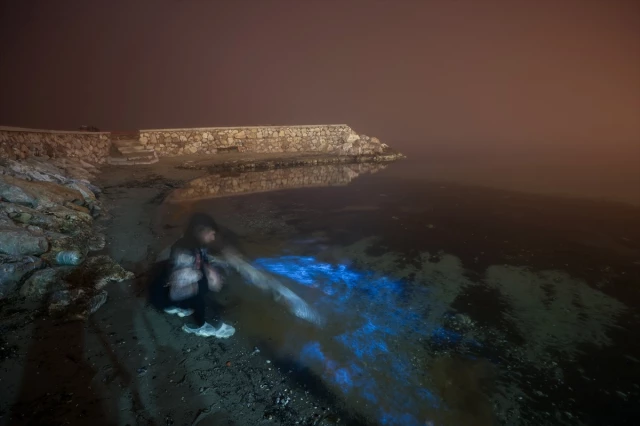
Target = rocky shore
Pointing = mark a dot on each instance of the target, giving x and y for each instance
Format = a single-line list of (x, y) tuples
[(50, 241)]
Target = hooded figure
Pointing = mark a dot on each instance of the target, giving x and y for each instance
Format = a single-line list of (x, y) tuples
[(193, 273)]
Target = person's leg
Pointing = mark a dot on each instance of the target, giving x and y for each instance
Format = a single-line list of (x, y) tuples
[(182, 308), (203, 328), (197, 303)]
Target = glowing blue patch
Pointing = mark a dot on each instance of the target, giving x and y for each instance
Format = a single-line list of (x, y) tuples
[(343, 379), (442, 335), (378, 321), (312, 352)]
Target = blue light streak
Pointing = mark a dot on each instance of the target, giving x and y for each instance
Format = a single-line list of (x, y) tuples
[(375, 318)]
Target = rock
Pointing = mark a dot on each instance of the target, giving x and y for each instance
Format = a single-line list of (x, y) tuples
[(13, 269), (72, 218), (38, 194), (33, 169), (88, 195), (77, 208), (352, 137), (76, 304), (57, 218), (5, 220), (96, 242), (45, 281), (97, 301), (15, 194), (97, 210), (73, 173), (28, 216), (98, 271), (21, 242)]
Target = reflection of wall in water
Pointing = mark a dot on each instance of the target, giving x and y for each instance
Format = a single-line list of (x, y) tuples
[(220, 185)]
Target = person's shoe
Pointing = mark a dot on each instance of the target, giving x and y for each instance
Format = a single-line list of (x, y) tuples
[(207, 330), (179, 312)]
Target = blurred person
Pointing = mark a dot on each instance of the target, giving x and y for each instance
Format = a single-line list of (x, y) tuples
[(195, 269)]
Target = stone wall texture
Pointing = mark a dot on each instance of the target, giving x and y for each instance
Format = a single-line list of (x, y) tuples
[(333, 139), (221, 185), (18, 144), (338, 139)]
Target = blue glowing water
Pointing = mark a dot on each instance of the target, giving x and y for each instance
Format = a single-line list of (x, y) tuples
[(368, 357)]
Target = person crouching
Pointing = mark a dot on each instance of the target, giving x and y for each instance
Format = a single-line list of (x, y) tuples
[(192, 276)]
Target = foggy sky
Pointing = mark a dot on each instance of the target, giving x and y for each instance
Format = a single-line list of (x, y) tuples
[(475, 76)]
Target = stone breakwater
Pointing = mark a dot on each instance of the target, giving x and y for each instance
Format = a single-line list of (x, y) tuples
[(47, 235), (336, 139), (219, 185), (96, 147), (19, 144)]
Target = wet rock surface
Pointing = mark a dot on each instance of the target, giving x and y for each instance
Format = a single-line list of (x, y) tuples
[(13, 269), (42, 283), (47, 233), (20, 242)]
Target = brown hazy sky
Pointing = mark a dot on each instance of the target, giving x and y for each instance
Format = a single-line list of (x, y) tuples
[(465, 74)]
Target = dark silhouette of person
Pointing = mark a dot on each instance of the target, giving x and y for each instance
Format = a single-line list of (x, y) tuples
[(195, 267)]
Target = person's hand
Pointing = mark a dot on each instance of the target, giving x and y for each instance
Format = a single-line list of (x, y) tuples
[(214, 280)]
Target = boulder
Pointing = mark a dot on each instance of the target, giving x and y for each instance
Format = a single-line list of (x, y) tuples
[(68, 172), (20, 242), (88, 195), (58, 219), (37, 194), (33, 169), (29, 216), (13, 269), (16, 194), (46, 281), (75, 168), (71, 219)]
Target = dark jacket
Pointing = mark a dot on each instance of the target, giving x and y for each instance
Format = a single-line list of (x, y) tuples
[(188, 257)]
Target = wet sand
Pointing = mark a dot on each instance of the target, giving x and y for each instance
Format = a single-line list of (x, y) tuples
[(447, 304)]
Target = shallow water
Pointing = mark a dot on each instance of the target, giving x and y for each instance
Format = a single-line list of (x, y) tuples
[(446, 304)]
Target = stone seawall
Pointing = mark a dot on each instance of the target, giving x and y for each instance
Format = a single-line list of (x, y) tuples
[(221, 185), (338, 139), (95, 147), (18, 144)]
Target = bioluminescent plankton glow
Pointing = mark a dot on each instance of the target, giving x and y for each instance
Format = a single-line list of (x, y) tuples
[(375, 327)]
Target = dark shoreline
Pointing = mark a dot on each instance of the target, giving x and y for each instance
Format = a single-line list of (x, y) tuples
[(250, 164)]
